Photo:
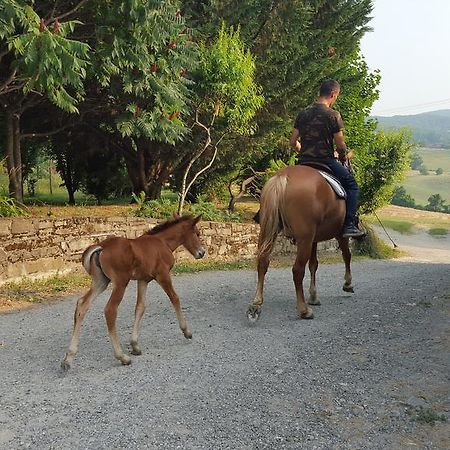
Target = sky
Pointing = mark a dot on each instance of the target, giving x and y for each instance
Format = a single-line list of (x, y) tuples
[(410, 45)]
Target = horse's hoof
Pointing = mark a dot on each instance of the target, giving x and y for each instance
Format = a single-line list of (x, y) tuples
[(187, 334), (314, 302), (253, 313), (348, 289), (136, 351), (308, 314), (65, 366)]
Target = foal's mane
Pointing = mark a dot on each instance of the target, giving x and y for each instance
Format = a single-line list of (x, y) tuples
[(167, 224)]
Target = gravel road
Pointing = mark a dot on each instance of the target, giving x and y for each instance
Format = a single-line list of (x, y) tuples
[(371, 371)]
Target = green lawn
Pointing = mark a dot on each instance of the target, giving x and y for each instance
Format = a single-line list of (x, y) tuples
[(420, 187)]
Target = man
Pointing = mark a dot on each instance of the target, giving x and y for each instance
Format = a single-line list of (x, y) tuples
[(320, 129)]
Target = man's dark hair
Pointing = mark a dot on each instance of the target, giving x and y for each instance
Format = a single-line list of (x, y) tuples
[(329, 86)]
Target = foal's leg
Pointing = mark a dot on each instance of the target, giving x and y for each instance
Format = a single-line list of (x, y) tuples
[(165, 282), (313, 264), (254, 310), (347, 256), (111, 316), (138, 313), (298, 270), (99, 284)]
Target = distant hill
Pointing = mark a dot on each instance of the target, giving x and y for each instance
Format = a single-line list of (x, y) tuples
[(430, 129)]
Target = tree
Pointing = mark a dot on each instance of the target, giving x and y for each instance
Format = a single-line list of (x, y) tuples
[(379, 167), (436, 203), (401, 198), (416, 161), (439, 171), (37, 59), (423, 170), (226, 93)]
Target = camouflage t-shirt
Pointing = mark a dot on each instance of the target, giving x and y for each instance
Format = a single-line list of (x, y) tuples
[(317, 125)]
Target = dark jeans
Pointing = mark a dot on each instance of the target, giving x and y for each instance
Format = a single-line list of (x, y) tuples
[(348, 183)]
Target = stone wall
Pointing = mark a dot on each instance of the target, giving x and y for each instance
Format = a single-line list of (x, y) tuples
[(40, 247)]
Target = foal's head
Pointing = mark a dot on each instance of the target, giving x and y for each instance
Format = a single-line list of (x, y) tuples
[(192, 238), (186, 232)]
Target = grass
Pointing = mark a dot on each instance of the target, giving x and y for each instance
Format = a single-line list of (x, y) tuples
[(420, 187), (399, 225), (429, 417), (438, 231)]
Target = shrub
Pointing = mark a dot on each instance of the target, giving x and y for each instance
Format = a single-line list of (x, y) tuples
[(10, 208)]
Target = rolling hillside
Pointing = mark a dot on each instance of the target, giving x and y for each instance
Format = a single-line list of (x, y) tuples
[(431, 129)]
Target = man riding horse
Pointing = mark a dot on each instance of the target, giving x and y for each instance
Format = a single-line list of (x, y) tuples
[(319, 127)]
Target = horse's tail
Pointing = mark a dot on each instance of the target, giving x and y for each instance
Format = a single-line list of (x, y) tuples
[(272, 217)]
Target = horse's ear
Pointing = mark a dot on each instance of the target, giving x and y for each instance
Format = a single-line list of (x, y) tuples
[(197, 219), (176, 215)]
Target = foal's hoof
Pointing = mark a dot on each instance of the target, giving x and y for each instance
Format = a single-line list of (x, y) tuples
[(348, 289), (253, 313), (314, 301), (136, 351), (125, 360), (308, 314), (65, 366), (187, 334)]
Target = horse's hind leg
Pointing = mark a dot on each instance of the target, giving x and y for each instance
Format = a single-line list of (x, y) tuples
[(298, 271), (347, 256), (99, 284), (254, 310), (111, 316), (166, 283), (138, 313), (313, 264)]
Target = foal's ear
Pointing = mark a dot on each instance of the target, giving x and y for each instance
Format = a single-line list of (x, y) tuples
[(176, 215), (197, 219)]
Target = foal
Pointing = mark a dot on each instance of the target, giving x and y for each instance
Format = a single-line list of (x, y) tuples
[(146, 258)]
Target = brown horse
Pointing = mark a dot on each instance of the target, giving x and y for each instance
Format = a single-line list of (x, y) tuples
[(299, 202), (146, 258)]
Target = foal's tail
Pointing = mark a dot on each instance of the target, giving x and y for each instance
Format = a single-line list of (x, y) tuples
[(272, 216), (91, 255)]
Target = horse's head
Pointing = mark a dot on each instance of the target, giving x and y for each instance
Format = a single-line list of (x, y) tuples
[(192, 241)]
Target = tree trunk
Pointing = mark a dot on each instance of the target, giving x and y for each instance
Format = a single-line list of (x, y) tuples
[(13, 156)]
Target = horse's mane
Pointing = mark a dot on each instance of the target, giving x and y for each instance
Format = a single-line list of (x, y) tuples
[(167, 224)]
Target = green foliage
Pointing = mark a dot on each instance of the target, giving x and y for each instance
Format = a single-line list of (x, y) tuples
[(46, 59), (373, 247), (416, 161), (143, 54), (401, 198), (439, 171), (10, 208), (436, 203), (423, 170), (380, 167), (164, 208), (225, 80)]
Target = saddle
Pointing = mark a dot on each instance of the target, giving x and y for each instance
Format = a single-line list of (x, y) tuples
[(325, 171)]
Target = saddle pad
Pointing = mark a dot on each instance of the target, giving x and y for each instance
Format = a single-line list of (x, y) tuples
[(335, 184)]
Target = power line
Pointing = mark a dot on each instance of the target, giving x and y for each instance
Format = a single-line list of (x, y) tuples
[(417, 106)]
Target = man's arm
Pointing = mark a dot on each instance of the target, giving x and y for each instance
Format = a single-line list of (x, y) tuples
[(341, 148), (295, 144)]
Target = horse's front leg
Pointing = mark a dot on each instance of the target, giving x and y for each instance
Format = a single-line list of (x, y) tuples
[(347, 256), (313, 265), (254, 310), (298, 271), (111, 316), (138, 313), (166, 283)]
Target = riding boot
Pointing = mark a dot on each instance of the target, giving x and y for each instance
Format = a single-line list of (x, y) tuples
[(351, 230)]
